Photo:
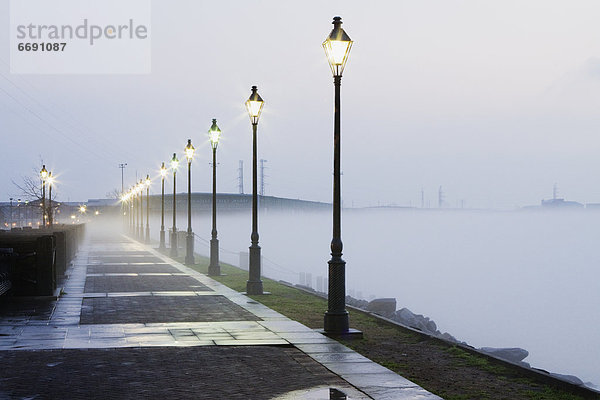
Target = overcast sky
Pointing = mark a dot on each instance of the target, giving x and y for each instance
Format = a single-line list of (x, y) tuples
[(493, 100)]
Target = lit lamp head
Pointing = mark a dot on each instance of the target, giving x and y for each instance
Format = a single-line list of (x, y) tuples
[(82, 209), (174, 162), (148, 182), (214, 134), (163, 170), (44, 173), (254, 105), (50, 179), (189, 151), (337, 47)]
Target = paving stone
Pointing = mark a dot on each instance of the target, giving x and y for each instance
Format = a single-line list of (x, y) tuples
[(124, 258), (144, 283), (199, 373), (130, 267), (148, 309), (15, 309)]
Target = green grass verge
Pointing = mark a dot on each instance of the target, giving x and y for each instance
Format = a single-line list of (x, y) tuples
[(501, 381)]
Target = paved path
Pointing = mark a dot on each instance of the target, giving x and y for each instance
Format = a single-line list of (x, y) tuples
[(134, 323)]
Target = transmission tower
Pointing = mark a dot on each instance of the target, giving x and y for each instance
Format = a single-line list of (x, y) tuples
[(440, 197), (262, 177), (241, 177), (122, 166)]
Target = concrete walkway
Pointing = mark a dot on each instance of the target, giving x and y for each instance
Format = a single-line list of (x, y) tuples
[(132, 323)]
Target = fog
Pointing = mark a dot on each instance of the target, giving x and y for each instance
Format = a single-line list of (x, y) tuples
[(526, 279)]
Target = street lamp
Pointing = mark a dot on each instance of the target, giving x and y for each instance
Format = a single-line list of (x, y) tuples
[(254, 284), (214, 134), (140, 189), (174, 165), (44, 176), (50, 181), (163, 173), (337, 47), (133, 208), (148, 208), (189, 245)]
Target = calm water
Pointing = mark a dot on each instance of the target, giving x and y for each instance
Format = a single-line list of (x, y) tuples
[(499, 279)]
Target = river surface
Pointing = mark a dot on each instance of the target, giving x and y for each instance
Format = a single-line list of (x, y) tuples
[(528, 279)]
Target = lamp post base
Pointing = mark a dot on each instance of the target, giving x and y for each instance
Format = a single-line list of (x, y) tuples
[(350, 334), (174, 252), (337, 322), (254, 284), (254, 287), (189, 249), (161, 245), (214, 269)]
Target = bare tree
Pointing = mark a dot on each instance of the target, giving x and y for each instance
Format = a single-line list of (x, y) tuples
[(114, 194), (30, 188)]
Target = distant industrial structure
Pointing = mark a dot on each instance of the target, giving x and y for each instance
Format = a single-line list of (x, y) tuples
[(241, 177), (261, 192), (556, 202)]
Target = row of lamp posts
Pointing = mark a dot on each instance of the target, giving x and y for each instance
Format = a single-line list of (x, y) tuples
[(135, 198), (337, 48)]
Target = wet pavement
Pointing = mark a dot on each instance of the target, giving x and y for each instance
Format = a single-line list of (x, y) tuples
[(132, 322)]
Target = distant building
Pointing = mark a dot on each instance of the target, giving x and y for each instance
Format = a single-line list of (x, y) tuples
[(560, 203)]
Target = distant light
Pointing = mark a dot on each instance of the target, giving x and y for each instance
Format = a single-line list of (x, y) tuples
[(97, 212)]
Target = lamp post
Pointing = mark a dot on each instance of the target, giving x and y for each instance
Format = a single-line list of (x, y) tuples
[(189, 239), (163, 173), (50, 180), (141, 210), (174, 165), (337, 47), (134, 216), (148, 208), (131, 210), (254, 284), (214, 268), (11, 212), (44, 176)]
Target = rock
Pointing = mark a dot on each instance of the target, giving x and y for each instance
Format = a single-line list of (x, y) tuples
[(406, 317), (448, 337), (431, 326), (358, 303), (384, 306), (568, 378), (513, 354)]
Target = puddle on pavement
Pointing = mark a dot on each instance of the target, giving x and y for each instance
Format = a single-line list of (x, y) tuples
[(318, 393)]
